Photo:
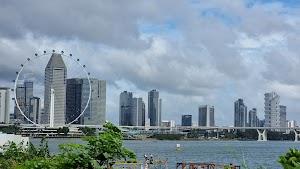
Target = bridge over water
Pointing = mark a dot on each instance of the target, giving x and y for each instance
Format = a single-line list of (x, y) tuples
[(262, 131)]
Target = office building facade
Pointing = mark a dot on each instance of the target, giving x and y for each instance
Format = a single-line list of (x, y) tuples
[(138, 112), (272, 110), (4, 105), (240, 113), (125, 109), (79, 101), (95, 114), (76, 99), (35, 110), (283, 122), (206, 116), (55, 78), (154, 108), (24, 93), (186, 120)]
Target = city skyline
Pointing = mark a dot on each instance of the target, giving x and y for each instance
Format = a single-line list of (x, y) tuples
[(197, 53)]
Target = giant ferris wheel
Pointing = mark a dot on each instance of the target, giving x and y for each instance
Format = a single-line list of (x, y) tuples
[(52, 89)]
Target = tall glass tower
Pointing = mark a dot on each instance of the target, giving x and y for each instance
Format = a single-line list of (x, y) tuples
[(55, 78), (125, 116), (206, 116), (154, 108)]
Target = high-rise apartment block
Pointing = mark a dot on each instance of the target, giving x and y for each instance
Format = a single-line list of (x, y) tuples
[(272, 110), (186, 120), (240, 113), (55, 78), (253, 119), (206, 116), (154, 108), (125, 113), (4, 105)]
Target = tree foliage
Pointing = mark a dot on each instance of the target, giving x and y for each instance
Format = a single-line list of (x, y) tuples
[(88, 131), (64, 130), (291, 160), (100, 153)]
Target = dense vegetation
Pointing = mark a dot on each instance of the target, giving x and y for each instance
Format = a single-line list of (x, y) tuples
[(291, 160), (99, 153)]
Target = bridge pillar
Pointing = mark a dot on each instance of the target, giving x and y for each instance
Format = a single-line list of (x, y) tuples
[(262, 136), (297, 135), (218, 133)]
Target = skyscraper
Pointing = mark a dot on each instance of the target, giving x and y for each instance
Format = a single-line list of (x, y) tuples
[(272, 110), (95, 114), (76, 99), (138, 114), (283, 122), (24, 92), (186, 120), (206, 116), (240, 114), (4, 105), (253, 119), (55, 78), (154, 108), (78, 91), (125, 109), (20, 98), (35, 110)]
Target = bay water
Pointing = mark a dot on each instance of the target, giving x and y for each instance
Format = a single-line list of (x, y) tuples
[(254, 154)]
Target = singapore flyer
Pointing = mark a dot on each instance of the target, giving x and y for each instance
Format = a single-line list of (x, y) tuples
[(46, 90)]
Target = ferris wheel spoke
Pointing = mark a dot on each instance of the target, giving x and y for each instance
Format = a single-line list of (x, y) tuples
[(76, 73)]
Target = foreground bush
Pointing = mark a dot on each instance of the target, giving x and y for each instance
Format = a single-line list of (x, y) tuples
[(99, 153), (291, 159)]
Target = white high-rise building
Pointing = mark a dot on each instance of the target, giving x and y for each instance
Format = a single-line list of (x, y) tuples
[(168, 123), (291, 123), (4, 105), (206, 116), (55, 78), (272, 110)]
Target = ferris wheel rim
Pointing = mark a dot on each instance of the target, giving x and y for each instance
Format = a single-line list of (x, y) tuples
[(37, 56)]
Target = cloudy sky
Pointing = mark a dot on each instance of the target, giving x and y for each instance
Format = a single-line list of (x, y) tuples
[(194, 52)]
